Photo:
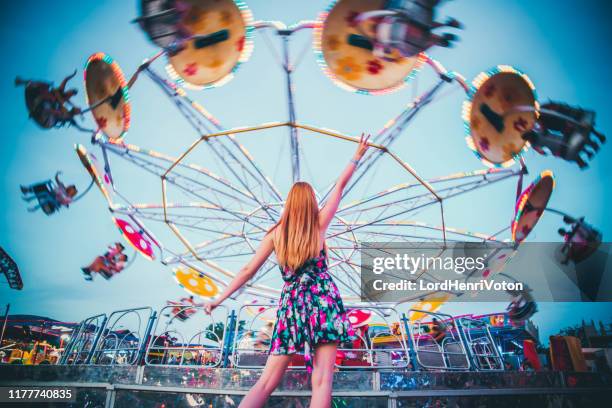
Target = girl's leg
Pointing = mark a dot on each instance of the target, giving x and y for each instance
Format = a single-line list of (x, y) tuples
[(323, 375), (269, 380)]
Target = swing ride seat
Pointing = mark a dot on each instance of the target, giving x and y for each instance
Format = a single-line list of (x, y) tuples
[(582, 242), (44, 111), (39, 109), (45, 197), (159, 20)]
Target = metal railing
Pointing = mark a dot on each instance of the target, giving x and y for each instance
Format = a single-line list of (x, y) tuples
[(381, 349), (82, 344), (437, 342), (123, 337), (484, 351), (186, 336), (252, 342), (178, 341)]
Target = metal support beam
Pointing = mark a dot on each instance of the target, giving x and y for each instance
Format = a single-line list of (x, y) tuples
[(144, 343), (6, 312), (293, 132)]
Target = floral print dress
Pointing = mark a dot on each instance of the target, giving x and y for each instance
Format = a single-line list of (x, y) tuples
[(310, 311)]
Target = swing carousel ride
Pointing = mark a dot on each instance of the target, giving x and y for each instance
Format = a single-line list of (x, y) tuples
[(217, 201)]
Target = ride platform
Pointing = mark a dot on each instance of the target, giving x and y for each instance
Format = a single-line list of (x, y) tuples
[(184, 386)]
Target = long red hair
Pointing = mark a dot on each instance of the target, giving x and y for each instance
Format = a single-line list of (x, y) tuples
[(296, 235)]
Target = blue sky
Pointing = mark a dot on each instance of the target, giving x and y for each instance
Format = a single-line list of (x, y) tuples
[(563, 46)]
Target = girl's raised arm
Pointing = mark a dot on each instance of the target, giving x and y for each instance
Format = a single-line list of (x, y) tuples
[(331, 206), (246, 272)]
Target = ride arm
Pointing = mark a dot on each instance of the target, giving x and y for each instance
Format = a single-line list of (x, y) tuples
[(248, 271), (331, 206)]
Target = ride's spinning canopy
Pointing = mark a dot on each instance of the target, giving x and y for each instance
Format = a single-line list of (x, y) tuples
[(215, 201)]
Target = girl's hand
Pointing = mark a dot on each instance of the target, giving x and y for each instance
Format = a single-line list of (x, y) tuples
[(210, 306), (363, 146)]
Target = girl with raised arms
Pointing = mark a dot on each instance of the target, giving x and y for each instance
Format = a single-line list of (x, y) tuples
[(311, 316)]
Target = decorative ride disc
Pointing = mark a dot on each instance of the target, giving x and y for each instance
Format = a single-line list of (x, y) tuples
[(359, 317), (531, 204), (135, 238), (220, 41), (345, 53), (493, 122), (107, 95), (96, 171), (195, 283)]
